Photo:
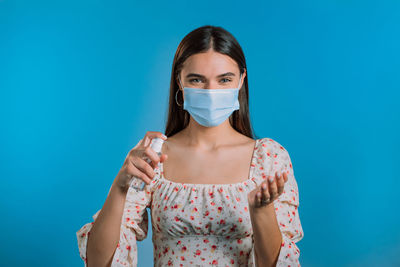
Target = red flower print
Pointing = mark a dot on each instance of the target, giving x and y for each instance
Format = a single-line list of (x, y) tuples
[(199, 206)]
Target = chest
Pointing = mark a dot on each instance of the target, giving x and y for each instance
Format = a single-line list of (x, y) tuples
[(228, 165), (201, 210)]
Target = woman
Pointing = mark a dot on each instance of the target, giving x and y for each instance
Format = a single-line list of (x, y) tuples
[(222, 198)]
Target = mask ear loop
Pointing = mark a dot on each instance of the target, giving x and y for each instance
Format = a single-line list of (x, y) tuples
[(176, 95), (180, 83), (240, 78)]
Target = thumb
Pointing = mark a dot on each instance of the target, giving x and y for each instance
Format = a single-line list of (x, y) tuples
[(163, 157)]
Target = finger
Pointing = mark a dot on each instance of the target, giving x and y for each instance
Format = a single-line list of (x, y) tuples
[(163, 157), (143, 166), (132, 171), (280, 184), (273, 189), (285, 177), (264, 192), (258, 199), (152, 155), (150, 135)]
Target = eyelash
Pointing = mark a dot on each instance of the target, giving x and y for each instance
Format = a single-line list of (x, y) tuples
[(228, 80)]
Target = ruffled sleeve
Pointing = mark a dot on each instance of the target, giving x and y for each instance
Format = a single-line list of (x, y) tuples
[(134, 226), (286, 205)]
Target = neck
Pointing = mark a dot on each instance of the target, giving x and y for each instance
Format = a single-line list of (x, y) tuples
[(208, 137)]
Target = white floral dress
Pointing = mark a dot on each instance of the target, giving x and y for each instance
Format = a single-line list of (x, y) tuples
[(206, 224)]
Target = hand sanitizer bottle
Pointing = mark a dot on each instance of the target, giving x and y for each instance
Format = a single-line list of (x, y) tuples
[(156, 144)]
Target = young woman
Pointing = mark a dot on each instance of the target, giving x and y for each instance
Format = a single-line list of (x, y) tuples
[(217, 196)]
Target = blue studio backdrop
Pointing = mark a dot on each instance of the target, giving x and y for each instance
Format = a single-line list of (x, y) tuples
[(82, 81)]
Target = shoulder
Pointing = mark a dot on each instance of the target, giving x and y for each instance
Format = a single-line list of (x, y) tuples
[(273, 156), (267, 144)]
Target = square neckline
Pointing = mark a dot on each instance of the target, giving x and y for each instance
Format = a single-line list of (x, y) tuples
[(250, 174)]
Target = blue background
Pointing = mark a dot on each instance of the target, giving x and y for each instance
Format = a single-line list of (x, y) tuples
[(82, 81)]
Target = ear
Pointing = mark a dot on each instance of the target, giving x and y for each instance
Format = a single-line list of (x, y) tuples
[(177, 81), (243, 76)]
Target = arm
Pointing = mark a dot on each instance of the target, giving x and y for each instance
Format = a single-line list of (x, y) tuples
[(267, 235), (116, 246), (277, 226), (105, 232)]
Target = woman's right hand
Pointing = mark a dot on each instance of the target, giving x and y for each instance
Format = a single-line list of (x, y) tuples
[(134, 164)]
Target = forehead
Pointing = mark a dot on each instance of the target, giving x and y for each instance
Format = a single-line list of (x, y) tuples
[(210, 64)]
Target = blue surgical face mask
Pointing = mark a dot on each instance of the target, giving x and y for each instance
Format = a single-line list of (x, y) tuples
[(211, 107)]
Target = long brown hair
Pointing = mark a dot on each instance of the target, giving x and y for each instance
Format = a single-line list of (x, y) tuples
[(198, 41)]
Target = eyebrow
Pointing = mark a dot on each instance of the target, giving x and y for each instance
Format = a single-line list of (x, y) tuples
[(202, 76)]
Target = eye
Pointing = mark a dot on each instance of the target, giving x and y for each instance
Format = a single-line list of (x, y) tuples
[(226, 79), (195, 79)]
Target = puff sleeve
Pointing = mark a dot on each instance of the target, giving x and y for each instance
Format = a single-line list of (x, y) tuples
[(134, 227), (286, 209), (286, 205)]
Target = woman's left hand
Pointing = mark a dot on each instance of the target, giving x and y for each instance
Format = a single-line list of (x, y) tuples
[(267, 191)]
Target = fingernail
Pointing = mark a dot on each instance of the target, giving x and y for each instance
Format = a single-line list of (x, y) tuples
[(164, 136), (271, 179), (264, 186)]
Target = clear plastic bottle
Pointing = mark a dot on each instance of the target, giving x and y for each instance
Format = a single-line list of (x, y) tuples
[(156, 144)]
